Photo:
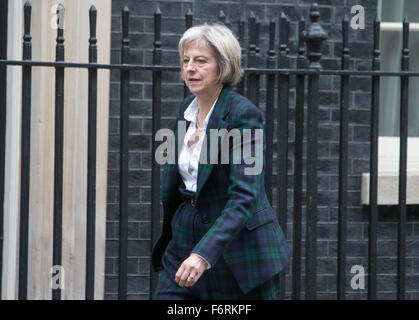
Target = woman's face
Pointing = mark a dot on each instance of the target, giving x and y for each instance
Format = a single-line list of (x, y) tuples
[(200, 70)]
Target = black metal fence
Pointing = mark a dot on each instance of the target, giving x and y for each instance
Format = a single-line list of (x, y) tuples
[(278, 76)]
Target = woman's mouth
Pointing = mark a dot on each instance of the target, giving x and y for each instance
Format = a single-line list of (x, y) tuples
[(193, 80)]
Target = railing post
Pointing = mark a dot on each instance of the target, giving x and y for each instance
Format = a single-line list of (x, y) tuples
[(156, 117), (25, 157), (123, 187), (58, 149), (282, 139), (314, 37), (298, 167), (343, 163), (252, 61), (270, 103), (373, 218), (404, 106), (257, 42), (188, 24), (240, 85), (91, 159)]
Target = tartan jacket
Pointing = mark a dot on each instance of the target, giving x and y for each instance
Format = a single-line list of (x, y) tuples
[(243, 227)]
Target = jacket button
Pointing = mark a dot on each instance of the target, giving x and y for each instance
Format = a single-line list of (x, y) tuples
[(193, 203), (205, 219)]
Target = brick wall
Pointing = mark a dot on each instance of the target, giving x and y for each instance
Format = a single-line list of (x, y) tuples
[(173, 24)]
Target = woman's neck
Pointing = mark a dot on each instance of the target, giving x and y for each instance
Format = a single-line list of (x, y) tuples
[(205, 102)]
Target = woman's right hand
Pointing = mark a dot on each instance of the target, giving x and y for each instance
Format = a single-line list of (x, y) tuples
[(190, 271)]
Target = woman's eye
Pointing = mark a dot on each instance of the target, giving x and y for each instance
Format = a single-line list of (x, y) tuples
[(201, 61)]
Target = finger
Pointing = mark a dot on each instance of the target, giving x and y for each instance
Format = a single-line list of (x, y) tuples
[(179, 273), (183, 274), (184, 277), (192, 280)]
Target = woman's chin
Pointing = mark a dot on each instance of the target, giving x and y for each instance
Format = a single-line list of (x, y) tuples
[(194, 90)]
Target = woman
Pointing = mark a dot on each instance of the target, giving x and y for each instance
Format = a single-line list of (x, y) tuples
[(220, 239)]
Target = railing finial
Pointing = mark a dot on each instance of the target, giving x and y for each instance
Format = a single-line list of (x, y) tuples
[(314, 12), (27, 22), (188, 19), (314, 36), (92, 20), (222, 16)]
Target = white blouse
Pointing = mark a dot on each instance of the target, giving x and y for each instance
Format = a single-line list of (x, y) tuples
[(192, 144)]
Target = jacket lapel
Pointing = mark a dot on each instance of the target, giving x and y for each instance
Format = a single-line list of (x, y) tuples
[(216, 121)]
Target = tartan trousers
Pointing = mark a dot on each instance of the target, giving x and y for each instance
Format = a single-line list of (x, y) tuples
[(216, 283)]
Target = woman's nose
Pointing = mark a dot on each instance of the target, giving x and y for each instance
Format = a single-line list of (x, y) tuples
[(190, 66)]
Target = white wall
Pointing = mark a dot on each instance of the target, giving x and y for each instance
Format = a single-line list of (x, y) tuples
[(12, 163)]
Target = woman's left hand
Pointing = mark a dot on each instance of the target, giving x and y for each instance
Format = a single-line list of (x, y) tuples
[(190, 271)]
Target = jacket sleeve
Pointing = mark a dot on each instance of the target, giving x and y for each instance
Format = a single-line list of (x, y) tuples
[(244, 185)]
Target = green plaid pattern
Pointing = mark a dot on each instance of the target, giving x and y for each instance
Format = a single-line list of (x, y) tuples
[(243, 228)]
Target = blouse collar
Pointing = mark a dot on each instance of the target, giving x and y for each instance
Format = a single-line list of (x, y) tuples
[(191, 112)]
